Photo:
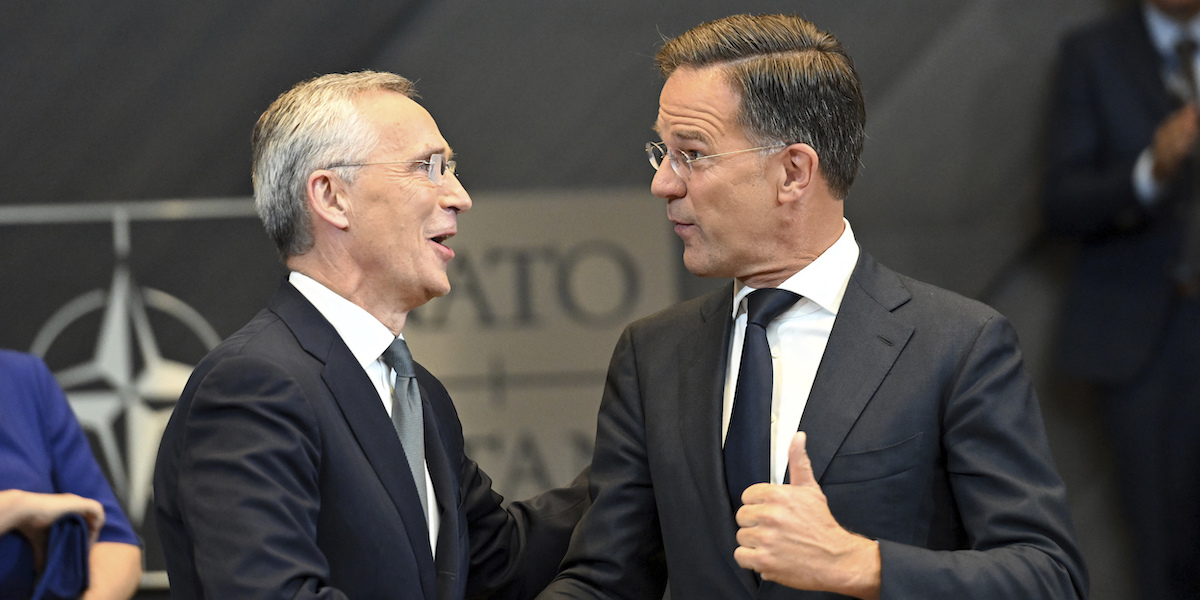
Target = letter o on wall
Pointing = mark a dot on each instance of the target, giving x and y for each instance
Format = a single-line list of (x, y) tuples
[(597, 257)]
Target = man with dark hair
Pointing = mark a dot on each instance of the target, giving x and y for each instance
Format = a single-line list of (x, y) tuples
[(309, 456), (921, 468), (1122, 182)]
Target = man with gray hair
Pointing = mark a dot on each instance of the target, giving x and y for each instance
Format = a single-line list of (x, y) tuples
[(822, 426), (309, 456)]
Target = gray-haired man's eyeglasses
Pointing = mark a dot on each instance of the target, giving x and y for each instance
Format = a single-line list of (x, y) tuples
[(437, 164)]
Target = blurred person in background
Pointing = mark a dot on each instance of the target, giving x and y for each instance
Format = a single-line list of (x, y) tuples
[(1122, 180)]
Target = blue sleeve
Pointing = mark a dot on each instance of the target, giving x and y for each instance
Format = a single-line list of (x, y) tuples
[(74, 468)]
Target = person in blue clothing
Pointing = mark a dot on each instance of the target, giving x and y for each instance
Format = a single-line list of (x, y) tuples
[(46, 471)]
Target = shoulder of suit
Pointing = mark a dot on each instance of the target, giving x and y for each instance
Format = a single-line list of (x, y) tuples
[(1116, 30), (940, 304), (265, 336), (263, 324), (896, 291)]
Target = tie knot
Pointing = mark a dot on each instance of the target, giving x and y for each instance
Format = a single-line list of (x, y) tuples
[(762, 306), (399, 358)]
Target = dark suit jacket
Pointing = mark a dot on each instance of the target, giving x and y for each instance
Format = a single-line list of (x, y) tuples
[(1109, 100), (280, 476), (923, 430)]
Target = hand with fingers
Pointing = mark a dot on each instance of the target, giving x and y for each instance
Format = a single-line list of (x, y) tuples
[(1174, 140), (788, 535), (32, 514)]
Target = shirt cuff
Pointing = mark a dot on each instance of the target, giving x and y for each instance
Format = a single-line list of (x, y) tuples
[(1144, 186)]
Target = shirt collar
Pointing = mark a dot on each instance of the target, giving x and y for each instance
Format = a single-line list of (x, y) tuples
[(365, 335), (822, 283), (1165, 31)]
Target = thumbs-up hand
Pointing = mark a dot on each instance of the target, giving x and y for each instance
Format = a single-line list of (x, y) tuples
[(789, 536)]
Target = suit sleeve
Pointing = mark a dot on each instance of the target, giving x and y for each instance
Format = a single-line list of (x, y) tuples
[(248, 485), (1089, 178), (1011, 502), (513, 552), (617, 550)]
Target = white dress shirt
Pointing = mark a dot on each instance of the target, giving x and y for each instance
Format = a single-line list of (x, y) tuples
[(797, 339), (367, 338)]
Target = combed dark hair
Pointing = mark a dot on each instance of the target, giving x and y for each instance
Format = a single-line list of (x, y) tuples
[(309, 127), (797, 84)]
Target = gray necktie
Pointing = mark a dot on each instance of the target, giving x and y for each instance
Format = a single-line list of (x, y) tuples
[(406, 414)]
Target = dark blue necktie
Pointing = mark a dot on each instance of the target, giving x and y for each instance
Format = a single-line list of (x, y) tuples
[(1187, 272), (1185, 54), (748, 439)]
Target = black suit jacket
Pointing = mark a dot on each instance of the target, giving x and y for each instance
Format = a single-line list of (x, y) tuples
[(1109, 100), (923, 430), (280, 476)]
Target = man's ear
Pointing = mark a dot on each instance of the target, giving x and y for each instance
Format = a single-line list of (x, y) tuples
[(800, 164), (327, 198)]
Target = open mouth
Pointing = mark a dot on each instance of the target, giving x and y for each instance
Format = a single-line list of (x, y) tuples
[(441, 239)]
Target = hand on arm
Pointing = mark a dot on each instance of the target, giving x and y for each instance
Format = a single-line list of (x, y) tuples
[(1174, 140), (788, 535), (32, 515)]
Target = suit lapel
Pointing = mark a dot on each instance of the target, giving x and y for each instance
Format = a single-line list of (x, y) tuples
[(865, 342), (701, 372), (364, 413), (1136, 51), (703, 363), (446, 561), (376, 436)]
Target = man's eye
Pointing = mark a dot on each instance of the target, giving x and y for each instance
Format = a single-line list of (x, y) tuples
[(692, 154), (423, 165)]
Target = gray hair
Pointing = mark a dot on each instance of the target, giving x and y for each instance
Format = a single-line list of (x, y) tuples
[(797, 84), (315, 124)]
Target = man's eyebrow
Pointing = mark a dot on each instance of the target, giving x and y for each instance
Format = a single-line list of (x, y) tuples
[(684, 134), (691, 135)]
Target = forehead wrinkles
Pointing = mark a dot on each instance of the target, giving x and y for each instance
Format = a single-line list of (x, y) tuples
[(410, 137), (698, 107), (689, 124)]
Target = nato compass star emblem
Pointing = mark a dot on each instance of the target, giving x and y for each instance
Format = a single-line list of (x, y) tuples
[(128, 375)]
